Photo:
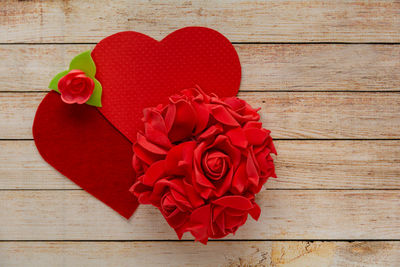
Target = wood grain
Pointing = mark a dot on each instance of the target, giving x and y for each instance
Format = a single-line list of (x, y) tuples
[(300, 165), (296, 115), (265, 253), (46, 220), (241, 21), (266, 67), (286, 214)]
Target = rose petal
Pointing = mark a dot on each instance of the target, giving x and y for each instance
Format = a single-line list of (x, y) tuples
[(68, 98), (223, 143), (183, 122), (218, 228), (235, 202), (87, 92), (199, 177), (179, 158), (202, 117), (251, 170), (176, 219), (235, 221), (239, 181), (252, 124), (153, 117), (217, 211), (182, 203), (192, 195), (237, 137), (210, 132), (146, 155), (143, 142), (154, 173), (222, 115), (199, 223), (255, 211), (157, 137), (256, 136), (142, 192), (234, 102), (234, 212), (241, 110), (224, 184), (169, 117)]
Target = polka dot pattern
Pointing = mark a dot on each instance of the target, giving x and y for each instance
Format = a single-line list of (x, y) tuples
[(137, 71)]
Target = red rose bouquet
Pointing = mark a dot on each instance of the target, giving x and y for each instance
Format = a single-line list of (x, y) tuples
[(200, 160)]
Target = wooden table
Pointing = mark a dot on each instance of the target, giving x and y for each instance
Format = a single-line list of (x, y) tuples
[(327, 76)]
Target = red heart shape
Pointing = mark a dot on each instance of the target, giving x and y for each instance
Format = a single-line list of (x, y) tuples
[(135, 71), (78, 142)]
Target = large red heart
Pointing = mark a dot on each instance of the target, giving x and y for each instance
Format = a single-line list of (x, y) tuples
[(135, 71)]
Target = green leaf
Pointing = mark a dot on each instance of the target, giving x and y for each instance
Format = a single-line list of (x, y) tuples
[(54, 82), (95, 99), (85, 63)]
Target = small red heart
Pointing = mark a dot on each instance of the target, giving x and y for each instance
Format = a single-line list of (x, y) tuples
[(135, 71)]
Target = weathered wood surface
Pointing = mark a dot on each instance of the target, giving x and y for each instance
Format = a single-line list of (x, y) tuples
[(241, 21), (300, 164), (266, 67), (46, 220), (264, 253), (298, 115), (286, 214)]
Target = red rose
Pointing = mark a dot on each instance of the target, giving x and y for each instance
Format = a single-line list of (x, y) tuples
[(215, 160), (75, 87), (164, 186), (241, 110), (202, 154), (221, 217)]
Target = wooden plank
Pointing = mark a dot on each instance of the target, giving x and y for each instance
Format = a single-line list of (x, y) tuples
[(266, 253), (287, 114), (300, 165), (286, 214), (266, 67), (239, 20)]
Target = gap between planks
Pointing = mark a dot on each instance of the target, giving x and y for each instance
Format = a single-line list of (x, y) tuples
[(253, 253), (293, 115), (273, 68), (286, 214), (260, 21), (300, 164)]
